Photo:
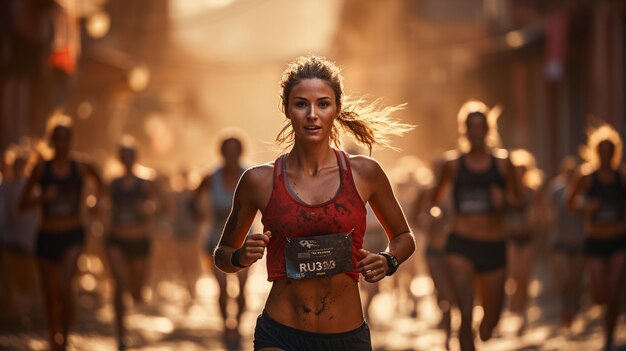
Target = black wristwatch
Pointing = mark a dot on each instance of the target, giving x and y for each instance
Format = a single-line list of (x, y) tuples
[(392, 262), (234, 259)]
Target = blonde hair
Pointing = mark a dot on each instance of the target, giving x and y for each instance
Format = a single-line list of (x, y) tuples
[(128, 142), (58, 120), (491, 115), (369, 123), (589, 151), (533, 176)]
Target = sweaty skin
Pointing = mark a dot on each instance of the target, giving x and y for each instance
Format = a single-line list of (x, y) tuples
[(320, 305), (326, 304)]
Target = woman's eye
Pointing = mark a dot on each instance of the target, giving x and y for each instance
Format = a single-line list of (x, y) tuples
[(300, 104), (324, 104)]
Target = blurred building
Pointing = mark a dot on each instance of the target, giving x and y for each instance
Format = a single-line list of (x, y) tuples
[(174, 72), (553, 66), (89, 58), (171, 72), (39, 46)]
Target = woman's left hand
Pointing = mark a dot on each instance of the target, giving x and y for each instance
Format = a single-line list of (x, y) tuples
[(373, 266)]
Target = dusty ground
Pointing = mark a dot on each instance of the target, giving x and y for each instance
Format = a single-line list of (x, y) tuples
[(168, 322)]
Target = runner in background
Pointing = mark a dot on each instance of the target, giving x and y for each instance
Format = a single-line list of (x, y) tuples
[(56, 187), (599, 196), (134, 199), (433, 223), (220, 187), (566, 242), (483, 185), (407, 181), (18, 234), (186, 231)]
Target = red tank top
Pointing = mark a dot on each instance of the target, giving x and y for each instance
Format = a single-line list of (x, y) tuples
[(286, 215)]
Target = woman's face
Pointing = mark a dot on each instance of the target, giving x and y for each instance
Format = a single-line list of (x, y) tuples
[(231, 151), (127, 157), (605, 152), (476, 128), (312, 110), (61, 139)]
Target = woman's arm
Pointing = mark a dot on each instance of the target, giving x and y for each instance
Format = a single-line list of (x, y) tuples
[(91, 171), (29, 200), (442, 182), (236, 249), (515, 197), (162, 196), (200, 211), (574, 193), (375, 184), (95, 208)]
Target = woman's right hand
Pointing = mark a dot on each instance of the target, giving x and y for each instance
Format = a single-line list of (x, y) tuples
[(253, 248)]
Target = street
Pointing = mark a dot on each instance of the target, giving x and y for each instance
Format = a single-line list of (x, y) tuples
[(164, 323)]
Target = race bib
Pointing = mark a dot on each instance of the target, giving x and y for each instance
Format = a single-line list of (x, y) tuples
[(607, 213), (318, 256), (474, 200)]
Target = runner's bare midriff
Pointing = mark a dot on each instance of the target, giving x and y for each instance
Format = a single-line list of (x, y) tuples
[(60, 224), (318, 305), (137, 231), (487, 227), (606, 231)]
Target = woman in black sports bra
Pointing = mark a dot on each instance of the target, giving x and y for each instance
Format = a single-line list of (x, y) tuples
[(483, 184), (599, 195), (60, 181), (133, 201)]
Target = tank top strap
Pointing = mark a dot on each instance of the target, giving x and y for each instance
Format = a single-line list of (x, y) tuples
[(75, 173), (595, 184), (345, 172), (494, 164), (47, 166), (344, 161), (347, 178), (279, 165), (47, 171), (462, 166), (595, 178)]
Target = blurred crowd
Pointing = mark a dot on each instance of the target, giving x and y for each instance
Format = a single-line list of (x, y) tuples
[(142, 231), (105, 228)]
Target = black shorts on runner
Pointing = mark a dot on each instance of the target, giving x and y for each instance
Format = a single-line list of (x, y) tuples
[(269, 333), (51, 246)]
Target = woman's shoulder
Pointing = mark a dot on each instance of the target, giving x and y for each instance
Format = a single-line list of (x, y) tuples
[(85, 163), (258, 175), (502, 158), (500, 154), (621, 171), (365, 166), (81, 159), (449, 160), (585, 171), (451, 156)]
